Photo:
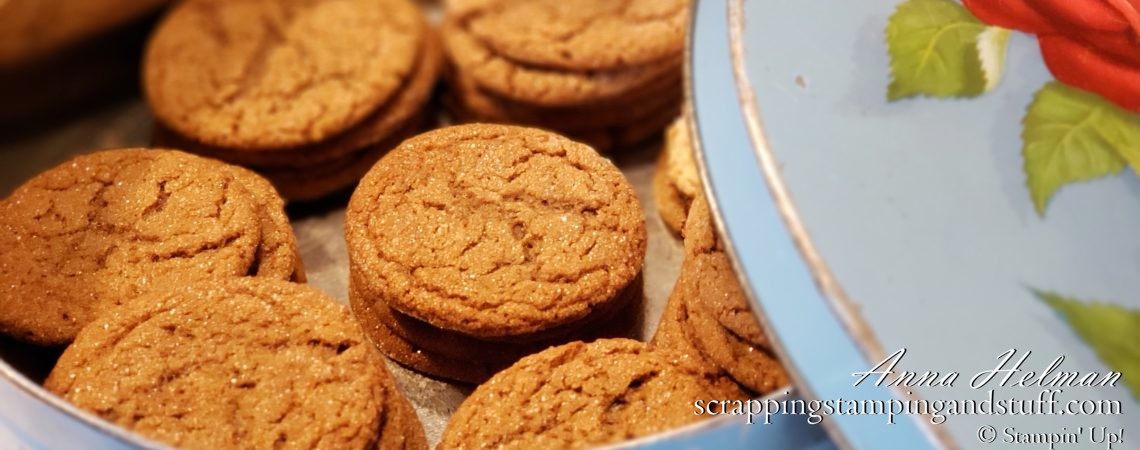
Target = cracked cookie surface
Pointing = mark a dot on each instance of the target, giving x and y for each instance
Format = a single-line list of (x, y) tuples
[(201, 367), (254, 74), (104, 227), (581, 34), (384, 122), (494, 231), (716, 317), (278, 255), (582, 395)]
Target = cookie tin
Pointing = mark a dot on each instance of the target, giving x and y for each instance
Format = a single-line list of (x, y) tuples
[(868, 223), (31, 418), (858, 226)]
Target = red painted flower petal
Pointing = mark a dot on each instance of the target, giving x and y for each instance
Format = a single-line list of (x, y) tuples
[(1077, 65), (1084, 14), (1122, 47), (1015, 14)]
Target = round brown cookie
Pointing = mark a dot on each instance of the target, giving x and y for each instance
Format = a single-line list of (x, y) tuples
[(609, 111), (750, 364), (630, 109), (612, 320), (671, 205), (471, 361), (277, 254), (268, 74), (105, 226), (541, 86), (408, 102), (666, 82), (200, 366), (494, 230), (604, 139), (731, 308), (319, 181), (410, 355), (676, 180), (669, 334), (619, 138), (682, 164), (402, 428), (582, 395), (581, 34), (701, 234), (719, 322)]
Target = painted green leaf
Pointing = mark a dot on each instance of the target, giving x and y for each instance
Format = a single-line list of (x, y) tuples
[(1070, 135), (934, 47), (1111, 330)]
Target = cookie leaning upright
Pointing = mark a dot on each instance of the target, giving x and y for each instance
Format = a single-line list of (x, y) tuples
[(495, 233), (237, 363), (605, 72), (307, 92), (583, 395), (708, 317), (104, 227), (676, 179)]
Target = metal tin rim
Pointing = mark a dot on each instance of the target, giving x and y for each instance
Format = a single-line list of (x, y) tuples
[(847, 313), (72, 414)]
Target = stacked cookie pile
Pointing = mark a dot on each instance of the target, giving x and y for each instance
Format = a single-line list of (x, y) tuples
[(307, 93), (101, 228), (473, 245), (174, 280), (707, 317), (603, 72)]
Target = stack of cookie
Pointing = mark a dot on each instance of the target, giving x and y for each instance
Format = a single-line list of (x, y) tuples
[(708, 318), (602, 72), (309, 93), (473, 245), (108, 226), (237, 363)]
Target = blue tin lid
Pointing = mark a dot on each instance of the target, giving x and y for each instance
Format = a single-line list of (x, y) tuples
[(862, 226)]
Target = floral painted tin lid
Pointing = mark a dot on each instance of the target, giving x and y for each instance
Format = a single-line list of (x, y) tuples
[(935, 207)]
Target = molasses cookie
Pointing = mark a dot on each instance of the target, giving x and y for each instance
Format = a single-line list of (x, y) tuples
[(107, 226), (607, 73), (308, 93), (676, 180), (498, 232), (581, 395), (277, 255), (472, 370), (581, 34), (402, 428), (708, 317), (236, 363), (538, 85), (458, 357), (262, 74)]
